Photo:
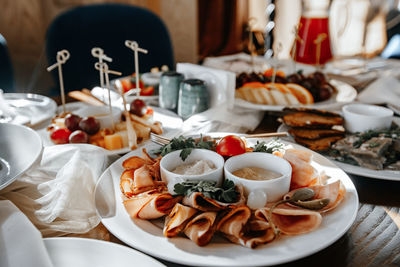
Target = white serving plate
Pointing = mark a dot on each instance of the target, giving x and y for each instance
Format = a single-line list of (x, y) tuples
[(84, 252), (345, 94), (20, 148), (357, 170), (33, 107), (147, 236)]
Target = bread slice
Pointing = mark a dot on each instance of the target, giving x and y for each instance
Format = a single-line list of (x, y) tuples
[(320, 144), (314, 133), (310, 120)]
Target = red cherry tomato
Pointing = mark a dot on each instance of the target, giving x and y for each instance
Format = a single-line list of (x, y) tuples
[(126, 85), (147, 91), (133, 80), (231, 145), (60, 136)]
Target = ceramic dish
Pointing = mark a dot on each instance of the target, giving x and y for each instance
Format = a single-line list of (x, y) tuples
[(20, 147), (357, 170), (83, 252), (345, 94), (147, 236), (36, 108), (171, 124)]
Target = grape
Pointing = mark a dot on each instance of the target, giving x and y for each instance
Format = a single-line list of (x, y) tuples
[(60, 136), (72, 122), (78, 136), (138, 107), (89, 125), (325, 92), (294, 78)]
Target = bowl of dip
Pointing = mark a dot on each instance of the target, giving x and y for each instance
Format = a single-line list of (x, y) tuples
[(102, 114), (200, 165), (265, 177), (364, 117)]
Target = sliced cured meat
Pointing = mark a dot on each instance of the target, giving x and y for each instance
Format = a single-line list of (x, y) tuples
[(335, 192), (176, 221), (291, 220), (136, 181), (233, 221), (255, 232), (303, 174), (201, 228), (150, 205)]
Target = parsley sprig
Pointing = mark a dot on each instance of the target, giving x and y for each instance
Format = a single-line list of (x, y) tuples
[(227, 193), (269, 147), (186, 144)]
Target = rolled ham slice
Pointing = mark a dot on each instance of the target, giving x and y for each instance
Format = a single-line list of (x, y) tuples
[(201, 228), (291, 220), (303, 174), (136, 181), (176, 221), (255, 233), (198, 201), (232, 222), (335, 192), (150, 205)]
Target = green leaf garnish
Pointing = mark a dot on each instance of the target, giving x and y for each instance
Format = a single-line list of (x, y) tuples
[(227, 193), (184, 144), (270, 147)]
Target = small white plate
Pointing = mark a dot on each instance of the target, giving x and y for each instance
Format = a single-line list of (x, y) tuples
[(147, 235), (84, 252), (36, 108), (345, 94), (20, 147), (352, 169), (171, 124)]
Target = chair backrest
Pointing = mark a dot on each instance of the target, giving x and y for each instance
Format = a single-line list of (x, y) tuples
[(106, 26), (6, 70)]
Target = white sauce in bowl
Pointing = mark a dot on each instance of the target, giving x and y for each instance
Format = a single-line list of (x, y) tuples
[(195, 168)]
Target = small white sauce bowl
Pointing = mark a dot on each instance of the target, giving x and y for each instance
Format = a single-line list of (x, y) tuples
[(102, 114), (259, 192), (172, 160), (364, 117)]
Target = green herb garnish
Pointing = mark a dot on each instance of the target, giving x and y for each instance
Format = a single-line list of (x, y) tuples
[(393, 133), (270, 147), (227, 193), (186, 144)]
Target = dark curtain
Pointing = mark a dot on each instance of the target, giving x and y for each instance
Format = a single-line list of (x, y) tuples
[(222, 25)]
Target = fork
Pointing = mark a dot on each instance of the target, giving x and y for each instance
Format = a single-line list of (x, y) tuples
[(161, 140)]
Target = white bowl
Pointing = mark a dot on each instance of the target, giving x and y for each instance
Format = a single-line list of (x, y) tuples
[(102, 114), (259, 192), (172, 160), (363, 117)]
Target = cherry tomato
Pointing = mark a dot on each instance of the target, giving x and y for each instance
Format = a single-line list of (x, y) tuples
[(126, 85), (147, 91), (133, 80), (231, 145), (60, 136)]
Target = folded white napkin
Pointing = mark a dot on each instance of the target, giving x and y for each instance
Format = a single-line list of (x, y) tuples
[(223, 119), (21, 244), (57, 194), (383, 90)]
